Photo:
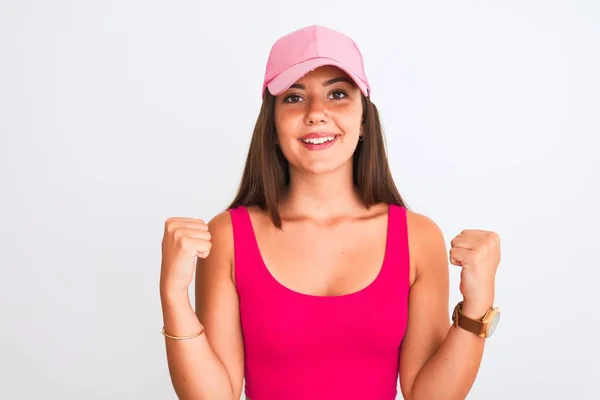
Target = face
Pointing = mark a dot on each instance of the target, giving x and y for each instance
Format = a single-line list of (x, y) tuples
[(318, 121)]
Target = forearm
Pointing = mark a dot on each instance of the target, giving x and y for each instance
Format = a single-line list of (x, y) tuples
[(196, 371), (451, 372)]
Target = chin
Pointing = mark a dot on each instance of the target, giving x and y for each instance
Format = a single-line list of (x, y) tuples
[(324, 167), (322, 162)]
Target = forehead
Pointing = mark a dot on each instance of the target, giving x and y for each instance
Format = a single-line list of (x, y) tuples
[(325, 72)]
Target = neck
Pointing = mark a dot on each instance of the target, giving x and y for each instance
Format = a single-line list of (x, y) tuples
[(321, 196)]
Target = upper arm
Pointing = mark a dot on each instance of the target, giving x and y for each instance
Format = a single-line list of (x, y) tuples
[(428, 318), (217, 303)]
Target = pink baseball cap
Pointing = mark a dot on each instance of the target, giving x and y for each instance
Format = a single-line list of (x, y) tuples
[(297, 53)]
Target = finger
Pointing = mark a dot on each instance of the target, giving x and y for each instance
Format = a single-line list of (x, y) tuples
[(459, 255), (473, 232), (193, 233), (177, 223), (464, 243), (191, 224), (195, 245), (179, 230)]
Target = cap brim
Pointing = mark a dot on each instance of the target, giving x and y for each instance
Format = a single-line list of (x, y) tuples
[(288, 77)]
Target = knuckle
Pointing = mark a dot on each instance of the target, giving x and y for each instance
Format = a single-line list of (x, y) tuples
[(181, 239), (495, 237), (170, 225), (184, 242), (178, 235)]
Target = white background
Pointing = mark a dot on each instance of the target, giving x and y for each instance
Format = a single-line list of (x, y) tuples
[(115, 115)]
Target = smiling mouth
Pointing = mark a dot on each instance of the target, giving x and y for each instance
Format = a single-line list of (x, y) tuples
[(320, 140)]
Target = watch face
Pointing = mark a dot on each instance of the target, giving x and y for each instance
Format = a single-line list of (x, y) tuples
[(493, 324)]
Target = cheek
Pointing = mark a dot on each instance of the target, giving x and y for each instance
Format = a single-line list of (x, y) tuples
[(348, 116), (349, 121), (287, 123)]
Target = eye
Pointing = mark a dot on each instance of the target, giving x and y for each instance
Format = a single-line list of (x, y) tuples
[(338, 94), (292, 98)]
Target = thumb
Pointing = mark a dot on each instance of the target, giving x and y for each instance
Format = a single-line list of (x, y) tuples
[(203, 254)]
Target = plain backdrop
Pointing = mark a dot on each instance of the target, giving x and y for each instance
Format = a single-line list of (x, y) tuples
[(115, 115)]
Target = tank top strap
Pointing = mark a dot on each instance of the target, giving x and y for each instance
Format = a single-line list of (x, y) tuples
[(245, 252), (398, 258)]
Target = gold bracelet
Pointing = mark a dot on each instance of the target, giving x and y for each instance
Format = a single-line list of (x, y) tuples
[(182, 337)]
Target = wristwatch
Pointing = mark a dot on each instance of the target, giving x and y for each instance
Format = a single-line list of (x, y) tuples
[(483, 328)]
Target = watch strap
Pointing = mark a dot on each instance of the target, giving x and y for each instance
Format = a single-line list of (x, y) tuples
[(465, 322)]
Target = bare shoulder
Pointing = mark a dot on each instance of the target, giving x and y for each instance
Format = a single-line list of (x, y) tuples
[(425, 240), (221, 228), (221, 231), (421, 228)]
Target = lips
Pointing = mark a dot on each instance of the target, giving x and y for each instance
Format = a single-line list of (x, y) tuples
[(319, 136), (319, 141)]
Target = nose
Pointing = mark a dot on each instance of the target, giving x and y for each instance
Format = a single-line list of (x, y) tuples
[(316, 113)]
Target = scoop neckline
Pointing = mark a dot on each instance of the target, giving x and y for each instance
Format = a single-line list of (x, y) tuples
[(291, 291)]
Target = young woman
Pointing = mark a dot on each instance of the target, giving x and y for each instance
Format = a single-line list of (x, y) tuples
[(317, 282)]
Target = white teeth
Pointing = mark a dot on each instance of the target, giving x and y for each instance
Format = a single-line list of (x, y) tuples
[(320, 140)]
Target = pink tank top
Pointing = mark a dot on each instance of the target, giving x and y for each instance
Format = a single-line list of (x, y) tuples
[(300, 346)]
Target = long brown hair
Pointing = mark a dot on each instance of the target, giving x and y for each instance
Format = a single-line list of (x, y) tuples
[(266, 174)]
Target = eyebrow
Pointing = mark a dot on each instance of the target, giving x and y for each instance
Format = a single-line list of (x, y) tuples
[(326, 83)]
